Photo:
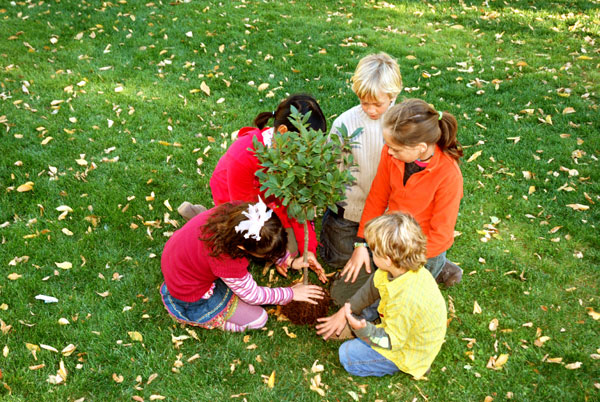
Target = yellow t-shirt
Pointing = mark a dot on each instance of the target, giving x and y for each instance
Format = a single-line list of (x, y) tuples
[(413, 314)]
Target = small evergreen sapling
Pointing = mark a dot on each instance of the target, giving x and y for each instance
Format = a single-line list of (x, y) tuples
[(307, 171)]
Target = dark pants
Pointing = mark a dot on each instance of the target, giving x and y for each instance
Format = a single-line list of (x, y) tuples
[(337, 245), (338, 236), (337, 239)]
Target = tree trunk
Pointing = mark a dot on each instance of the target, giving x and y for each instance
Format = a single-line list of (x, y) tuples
[(305, 271)]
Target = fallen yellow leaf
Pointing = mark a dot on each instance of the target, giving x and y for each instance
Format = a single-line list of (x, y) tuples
[(135, 336), (64, 265), (474, 156), (578, 207), (271, 382), (68, 350), (25, 187), (205, 88), (595, 315), (573, 366)]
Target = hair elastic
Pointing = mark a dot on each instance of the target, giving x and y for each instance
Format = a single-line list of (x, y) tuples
[(441, 114)]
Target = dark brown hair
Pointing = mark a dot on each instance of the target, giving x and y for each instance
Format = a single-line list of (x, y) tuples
[(414, 121), (222, 239), (304, 103)]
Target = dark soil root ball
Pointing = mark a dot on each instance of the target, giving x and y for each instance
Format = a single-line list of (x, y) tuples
[(303, 313)]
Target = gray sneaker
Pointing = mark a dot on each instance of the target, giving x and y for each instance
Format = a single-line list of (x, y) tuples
[(188, 210)]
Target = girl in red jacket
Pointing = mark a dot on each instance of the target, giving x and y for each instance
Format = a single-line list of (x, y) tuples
[(418, 174), (234, 177)]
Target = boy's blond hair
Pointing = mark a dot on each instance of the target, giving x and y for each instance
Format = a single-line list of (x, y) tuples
[(399, 237), (377, 73)]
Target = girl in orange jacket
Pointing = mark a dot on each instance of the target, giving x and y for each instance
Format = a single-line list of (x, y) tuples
[(418, 174)]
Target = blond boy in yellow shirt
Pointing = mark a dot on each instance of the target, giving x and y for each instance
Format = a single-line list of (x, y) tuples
[(411, 308)]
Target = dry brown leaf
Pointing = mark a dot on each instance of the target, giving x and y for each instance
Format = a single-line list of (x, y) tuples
[(474, 156), (317, 368), (539, 342), (205, 88), (578, 207), (68, 350), (288, 333), (48, 347), (595, 315)]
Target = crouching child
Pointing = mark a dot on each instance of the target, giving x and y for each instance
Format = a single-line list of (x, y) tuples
[(410, 306)]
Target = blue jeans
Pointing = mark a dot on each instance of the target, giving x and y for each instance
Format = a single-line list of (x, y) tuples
[(435, 264), (361, 360)]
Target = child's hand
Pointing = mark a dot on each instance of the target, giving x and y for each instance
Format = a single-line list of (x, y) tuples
[(333, 324), (282, 270), (360, 257), (352, 321), (307, 293), (313, 263)]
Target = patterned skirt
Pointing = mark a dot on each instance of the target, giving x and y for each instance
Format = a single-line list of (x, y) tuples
[(206, 313)]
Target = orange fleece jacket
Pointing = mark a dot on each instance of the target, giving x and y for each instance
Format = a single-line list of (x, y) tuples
[(432, 196)]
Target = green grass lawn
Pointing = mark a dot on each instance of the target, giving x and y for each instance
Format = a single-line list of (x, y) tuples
[(114, 112)]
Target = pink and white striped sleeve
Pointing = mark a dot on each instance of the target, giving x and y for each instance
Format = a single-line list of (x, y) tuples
[(247, 290)]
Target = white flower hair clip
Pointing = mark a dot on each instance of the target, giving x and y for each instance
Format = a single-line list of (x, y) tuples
[(257, 215)]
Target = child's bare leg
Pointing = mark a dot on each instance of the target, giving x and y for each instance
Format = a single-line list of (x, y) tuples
[(246, 316)]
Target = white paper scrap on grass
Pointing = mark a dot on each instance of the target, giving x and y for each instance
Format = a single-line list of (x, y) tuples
[(47, 299)]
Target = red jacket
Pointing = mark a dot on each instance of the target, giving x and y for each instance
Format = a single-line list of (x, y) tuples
[(432, 196), (234, 179)]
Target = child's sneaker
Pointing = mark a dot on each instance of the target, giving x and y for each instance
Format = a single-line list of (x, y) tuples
[(188, 210), (451, 274)]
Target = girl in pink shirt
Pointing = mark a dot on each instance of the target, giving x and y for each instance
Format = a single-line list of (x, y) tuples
[(205, 268)]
